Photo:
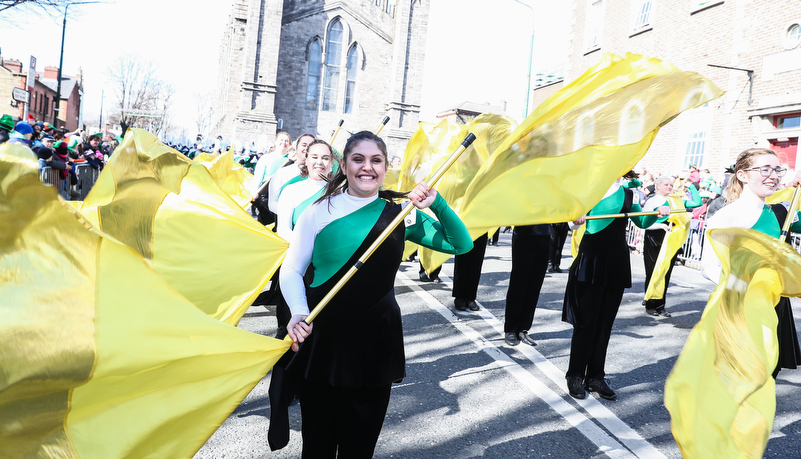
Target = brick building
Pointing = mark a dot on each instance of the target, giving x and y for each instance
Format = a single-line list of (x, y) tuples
[(749, 48), (305, 65), (43, 94)]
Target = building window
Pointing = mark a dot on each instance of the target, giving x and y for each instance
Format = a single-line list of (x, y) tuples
[(585, 131), (792, 36), (388, 6), (595, 21), (333, 59), (377, 2), (313, 80), (350, 86), (788, 121), (695, 124), (642, 15), (632, 123)]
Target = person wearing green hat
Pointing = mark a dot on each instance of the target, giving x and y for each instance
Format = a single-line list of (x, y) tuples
[(6, 126)]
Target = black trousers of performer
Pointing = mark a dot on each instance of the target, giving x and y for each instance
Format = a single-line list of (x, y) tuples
[(434, 274), (529, 264), (467, 270), (652, 243), (558, 236), (494, 239), (596, 309), (341, 422)]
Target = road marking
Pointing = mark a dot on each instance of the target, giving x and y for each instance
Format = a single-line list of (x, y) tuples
[(635, 445)]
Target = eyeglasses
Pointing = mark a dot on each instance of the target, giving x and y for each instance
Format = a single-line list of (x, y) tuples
[(765, 171)]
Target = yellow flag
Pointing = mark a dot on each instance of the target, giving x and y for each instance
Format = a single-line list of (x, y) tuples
[(720, 393), (229, 175), (430, 147), (575, 240), (785, 195), (100, 358), (198, 239), (673, 241), (562, 159)]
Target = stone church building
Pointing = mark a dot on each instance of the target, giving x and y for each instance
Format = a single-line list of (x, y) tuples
[(304, 65)]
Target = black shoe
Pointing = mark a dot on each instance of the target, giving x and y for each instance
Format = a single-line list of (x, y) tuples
[(424, 277), (550, 269), (601, 387), (663, 313), (525, 338), (652, 312), (436, 280), (472, 305), (557, 269), (575, 387), (511, 339), (460, 304)]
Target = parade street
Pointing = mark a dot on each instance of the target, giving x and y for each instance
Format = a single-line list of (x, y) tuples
[(468, 394)]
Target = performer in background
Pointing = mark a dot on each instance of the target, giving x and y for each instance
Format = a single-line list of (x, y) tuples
[(757, 174), (558, 235), (655, 235), (290, 173), (353, 351), (530, 247), (595, 284), (467, 275), (296, 197)]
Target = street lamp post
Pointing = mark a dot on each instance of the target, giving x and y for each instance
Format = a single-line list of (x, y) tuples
[(57, 102), (530, 56)]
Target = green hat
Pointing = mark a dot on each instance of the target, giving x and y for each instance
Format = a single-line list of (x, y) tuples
[(7, 123)]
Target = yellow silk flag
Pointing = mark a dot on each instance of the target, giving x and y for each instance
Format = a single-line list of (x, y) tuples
[(229, 175), (439, 143), (785, 195), (100, 358), (720, 393), (562, 159), (673, 241), (198, 239), (575, 240)]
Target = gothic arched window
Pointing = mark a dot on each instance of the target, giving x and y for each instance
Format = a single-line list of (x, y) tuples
[(350, 85), (313, 79), (333, 59)]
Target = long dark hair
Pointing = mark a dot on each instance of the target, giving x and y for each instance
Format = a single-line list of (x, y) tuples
[(339, 182)]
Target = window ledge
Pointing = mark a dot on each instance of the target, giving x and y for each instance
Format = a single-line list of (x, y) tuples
[(592, 50), (641, 31), (705, 7)]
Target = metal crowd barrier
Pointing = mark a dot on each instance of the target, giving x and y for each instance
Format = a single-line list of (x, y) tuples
[(690, 252), (86, 174)]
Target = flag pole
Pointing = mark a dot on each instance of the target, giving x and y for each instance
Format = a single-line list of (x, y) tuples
[(383, 123), (631, 214), (387, 231), (789, 219), (331, 142)]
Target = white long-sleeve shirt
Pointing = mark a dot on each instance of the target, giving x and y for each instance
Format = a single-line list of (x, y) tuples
[(292, 197)]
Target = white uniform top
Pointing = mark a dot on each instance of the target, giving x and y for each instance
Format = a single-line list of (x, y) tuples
[(744, 212), (280, 177), (292, 196), (652, 204), (301, 245)]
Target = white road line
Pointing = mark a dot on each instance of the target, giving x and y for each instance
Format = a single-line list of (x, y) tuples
[(606, 443), (589, 429)]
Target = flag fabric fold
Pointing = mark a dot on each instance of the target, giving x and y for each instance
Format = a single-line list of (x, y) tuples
[(229, 175), (99, 356), (673, 241), (198, 239), (562, 159), (720, 394)]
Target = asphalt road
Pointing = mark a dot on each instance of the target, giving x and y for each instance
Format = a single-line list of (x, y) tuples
[(467, 394)]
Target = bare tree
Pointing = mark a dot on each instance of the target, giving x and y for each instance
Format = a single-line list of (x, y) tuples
[(141, 95), (204, 103)]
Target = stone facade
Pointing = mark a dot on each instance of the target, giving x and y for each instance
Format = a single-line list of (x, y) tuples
[(386, 44), (742, 34)]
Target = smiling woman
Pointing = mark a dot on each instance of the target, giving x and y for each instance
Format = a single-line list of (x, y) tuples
[(757, 174), (347, 365)]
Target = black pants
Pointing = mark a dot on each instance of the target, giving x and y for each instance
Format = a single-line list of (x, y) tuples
[(558, 236), (341, 422), (529, 264), (467, 270), (652, 244), (596, 309), (495, 236)]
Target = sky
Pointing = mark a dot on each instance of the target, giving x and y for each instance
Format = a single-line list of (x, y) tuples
[(477, 50)]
